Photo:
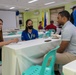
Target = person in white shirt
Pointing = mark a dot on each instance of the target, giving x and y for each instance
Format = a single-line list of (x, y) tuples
[(67, 50)]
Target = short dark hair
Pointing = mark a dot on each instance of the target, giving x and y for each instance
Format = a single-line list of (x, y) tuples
[(1, 20), (28, 21), (40, 22), (52, 21), (74, 7), (65, 13)]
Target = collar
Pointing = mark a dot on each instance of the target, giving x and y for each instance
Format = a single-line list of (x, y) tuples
[(65, 24)]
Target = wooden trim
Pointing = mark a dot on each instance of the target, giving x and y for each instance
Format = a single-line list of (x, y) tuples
[(57, 8)]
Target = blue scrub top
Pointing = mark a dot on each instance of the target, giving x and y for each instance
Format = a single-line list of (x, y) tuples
[(29, 36)]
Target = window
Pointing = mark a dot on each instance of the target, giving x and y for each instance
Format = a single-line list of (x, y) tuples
[(54, 13)]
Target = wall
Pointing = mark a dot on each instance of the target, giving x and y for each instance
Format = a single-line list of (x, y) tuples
[(38, 17), (35, 17), (9, 19), (67, 6)]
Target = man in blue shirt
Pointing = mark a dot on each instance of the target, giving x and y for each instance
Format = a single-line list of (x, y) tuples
[(74, 15), (29, 33)]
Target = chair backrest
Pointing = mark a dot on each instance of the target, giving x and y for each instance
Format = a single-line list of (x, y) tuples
[(40, 35), (53, 30), (47, 34), (19, 32), (11, 34), (0, 62), (50, 31), (51, 53)]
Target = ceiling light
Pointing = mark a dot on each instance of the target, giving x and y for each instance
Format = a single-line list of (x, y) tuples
[(49, 3), (27, 9), (12, 8), (32, 1)]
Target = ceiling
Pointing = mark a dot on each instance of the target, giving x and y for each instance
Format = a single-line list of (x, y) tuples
[(23, 4)]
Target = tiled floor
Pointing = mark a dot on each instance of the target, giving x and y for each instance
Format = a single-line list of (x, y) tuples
[(0, 70)]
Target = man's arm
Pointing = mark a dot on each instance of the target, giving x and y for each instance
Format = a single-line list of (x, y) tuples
[(63, 46)]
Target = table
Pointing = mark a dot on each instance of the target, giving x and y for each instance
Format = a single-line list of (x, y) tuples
[(18, 57), (70, 68), (9, 37), (5, 33)]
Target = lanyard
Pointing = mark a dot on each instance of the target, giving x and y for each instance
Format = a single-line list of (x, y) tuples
[(30, 36)]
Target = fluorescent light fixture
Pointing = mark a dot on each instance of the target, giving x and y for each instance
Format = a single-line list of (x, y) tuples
[(32, 1), (27, 8), (12, 8), (49, 3)]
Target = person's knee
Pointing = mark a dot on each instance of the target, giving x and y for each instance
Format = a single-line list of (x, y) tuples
[(58, 58)]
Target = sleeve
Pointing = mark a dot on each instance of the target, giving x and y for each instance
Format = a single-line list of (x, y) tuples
[(36, 34), (22, 36), (66, 35)]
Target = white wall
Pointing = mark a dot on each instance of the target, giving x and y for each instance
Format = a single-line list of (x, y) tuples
[(9, 19)]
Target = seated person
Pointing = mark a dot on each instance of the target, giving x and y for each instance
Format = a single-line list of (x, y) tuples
[(29, 33), (67, 51), (2, 43), (51, 26), (40, 26)]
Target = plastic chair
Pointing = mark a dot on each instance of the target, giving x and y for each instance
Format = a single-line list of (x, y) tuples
[(40, 35), (0, 62), (47, 34), (19, 32), (53, 30), (44, 69), (11, 33), (50, 30)]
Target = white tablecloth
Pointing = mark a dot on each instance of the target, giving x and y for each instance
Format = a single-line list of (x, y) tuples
[(70, 68), (9, 37), (18, 57)]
